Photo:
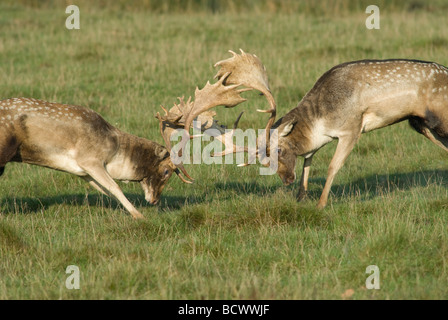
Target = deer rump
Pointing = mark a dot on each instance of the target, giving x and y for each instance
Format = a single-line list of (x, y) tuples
[(51, 140)]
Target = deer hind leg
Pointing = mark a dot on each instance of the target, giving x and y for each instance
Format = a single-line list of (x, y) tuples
[(304, 180), (104, 181), (95, 185), (437, 139), (419, 126), (343, 149), (8, 149)]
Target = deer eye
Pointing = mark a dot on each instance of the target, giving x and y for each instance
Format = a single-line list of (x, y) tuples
[(166, 172), (279, 151)]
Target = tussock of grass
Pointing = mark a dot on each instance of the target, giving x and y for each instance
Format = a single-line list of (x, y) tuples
[(10, 240)]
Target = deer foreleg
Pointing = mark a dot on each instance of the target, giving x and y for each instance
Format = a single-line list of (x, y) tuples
[(345, 146), (104, 180), (304, 180)]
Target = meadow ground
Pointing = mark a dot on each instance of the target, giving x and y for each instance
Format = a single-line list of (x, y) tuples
[(233, 234)]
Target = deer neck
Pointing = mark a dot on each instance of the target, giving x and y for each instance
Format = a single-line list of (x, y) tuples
[(304, 137), (133, 159)]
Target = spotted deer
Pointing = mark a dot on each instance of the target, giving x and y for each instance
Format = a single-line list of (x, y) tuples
[(357, 97), (79, 141), (350, 99)]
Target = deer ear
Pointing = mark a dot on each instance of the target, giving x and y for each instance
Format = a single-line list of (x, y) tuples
[(161, 152), (287, 129)]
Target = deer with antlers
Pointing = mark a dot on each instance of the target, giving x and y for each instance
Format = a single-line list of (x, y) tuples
[(348, 100), (358, 97), (77, 140)]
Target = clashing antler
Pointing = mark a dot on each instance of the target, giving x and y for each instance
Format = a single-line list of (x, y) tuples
[(168, 125), (244, 70), (248, 70), (226, 138)]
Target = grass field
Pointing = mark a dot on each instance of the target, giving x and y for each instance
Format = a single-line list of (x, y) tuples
[(233, 234)]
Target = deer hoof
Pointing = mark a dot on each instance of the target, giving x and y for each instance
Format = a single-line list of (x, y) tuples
[(138, 216), (321, 205), (301, 195)]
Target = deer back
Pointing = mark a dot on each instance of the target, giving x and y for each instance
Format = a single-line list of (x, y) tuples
[(363, 96), (46, 131)]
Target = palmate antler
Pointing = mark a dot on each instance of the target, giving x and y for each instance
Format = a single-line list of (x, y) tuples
[(181, 116), (240, 70), (175, 118), (247, 69)]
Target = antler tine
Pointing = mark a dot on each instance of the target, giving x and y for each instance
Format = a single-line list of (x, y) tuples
[(166, 112), (166, 128), (235, 125), (162, 128), (272, 111), (169, 116), (182, 178)]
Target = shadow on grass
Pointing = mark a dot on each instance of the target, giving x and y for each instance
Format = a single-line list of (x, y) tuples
[(374, 186), (29, 205), (370, 187), (252, 187)]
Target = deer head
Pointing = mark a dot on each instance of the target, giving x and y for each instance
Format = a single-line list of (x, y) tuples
[(154, 184)]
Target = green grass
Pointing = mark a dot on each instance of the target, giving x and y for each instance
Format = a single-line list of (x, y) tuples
[(233, 234)]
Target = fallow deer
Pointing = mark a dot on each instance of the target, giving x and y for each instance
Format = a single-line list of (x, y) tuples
[(350, 99), (78, 140), (357, 97)]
